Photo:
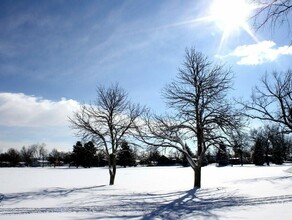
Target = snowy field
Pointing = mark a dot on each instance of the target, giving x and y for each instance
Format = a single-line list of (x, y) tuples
[(236, 192)]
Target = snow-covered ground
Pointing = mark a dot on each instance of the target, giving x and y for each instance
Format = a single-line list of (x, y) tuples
[(236, 192)]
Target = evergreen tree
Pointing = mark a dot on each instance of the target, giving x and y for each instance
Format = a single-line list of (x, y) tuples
[(278, 148), (143, 158), (259, 152), (78, 154), (222, 157), (67, 158), (278, 155), (126, 155), (288, 148), (13, 157), (101, 159), (84, 155), (153, 156), (89, 154)]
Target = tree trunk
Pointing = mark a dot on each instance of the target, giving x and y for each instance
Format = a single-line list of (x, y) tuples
[(112, 178), (200, 153), (197, 182), (112, 170)]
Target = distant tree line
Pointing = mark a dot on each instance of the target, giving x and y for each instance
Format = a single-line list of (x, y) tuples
[(261, 147), (82, 155), (26, 156)]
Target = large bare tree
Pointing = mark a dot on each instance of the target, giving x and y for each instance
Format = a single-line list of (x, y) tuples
[(272, 100), (108, 121), (200, 116)]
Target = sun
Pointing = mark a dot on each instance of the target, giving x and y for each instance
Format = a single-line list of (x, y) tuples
[(231, 16)]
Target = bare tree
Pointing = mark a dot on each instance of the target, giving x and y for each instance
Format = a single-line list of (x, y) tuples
[(272, 101), (27, 155), (201, 115), (107, 122), (39, 150), (272, 12)]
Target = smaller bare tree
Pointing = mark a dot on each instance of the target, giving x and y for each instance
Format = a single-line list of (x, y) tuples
[(109, 121), (40, 151), (27, 154), (272, 100)]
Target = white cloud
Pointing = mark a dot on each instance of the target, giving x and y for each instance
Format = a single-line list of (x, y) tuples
[(262, 52), (20, 110), (26, 120)]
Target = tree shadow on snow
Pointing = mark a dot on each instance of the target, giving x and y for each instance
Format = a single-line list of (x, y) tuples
[(271, 179), (14, 198), (201, 204), (106, 204), (179, 205)]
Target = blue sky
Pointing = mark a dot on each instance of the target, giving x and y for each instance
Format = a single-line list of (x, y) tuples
[(53, 54)]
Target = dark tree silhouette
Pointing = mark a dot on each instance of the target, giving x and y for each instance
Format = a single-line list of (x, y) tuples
[(78, 154), (278, 151), (239, 143), (222, 156), (126, 155), (259, 151), (54, 157), (153, 156), (84, 155), (13, 157), (276, 144), (108, 122), (89, 154), (261, 137), (27, 155)]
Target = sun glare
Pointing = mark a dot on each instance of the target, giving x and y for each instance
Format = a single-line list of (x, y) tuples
[(231, 16)]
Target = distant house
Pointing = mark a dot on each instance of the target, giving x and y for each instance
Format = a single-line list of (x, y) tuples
[(40, 163), (165, 161), (21, 164), (5, 164), (234, 160)]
